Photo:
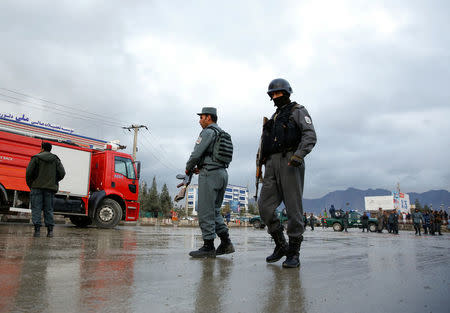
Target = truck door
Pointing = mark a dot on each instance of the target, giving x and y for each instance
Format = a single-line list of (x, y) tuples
[(124, 178)]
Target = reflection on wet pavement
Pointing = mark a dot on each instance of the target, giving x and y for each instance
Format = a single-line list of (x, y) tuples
[(147, 269)]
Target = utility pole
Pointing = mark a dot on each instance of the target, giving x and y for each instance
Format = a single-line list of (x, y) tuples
[(136, 129)]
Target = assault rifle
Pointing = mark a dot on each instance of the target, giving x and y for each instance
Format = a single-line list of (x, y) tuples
[(184, 184), (259, 162)]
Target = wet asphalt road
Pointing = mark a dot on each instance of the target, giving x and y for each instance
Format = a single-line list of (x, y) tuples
[(147, 269)]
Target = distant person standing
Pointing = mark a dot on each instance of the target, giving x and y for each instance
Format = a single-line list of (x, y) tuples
[(432, 223), (380, 219), (228, 218), (394, 222), (332, 211), (426, 222), (390, 223), (417, 219), (312, 221), (43, 174), (438, 221), (365, 222), (345, 221)]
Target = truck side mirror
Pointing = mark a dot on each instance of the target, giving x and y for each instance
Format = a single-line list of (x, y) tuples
[(138, 169)]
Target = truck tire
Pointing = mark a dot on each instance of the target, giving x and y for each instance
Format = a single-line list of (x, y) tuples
[(257, 224), (108, 214), (372, 227), (81, 221), (337, 227)]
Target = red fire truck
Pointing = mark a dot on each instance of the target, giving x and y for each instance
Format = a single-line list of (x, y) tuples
[(101, 185)]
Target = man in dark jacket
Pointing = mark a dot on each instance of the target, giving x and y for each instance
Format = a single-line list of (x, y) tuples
[(426, 222), (380, 218), (365, 222), (417, 220), (437, 222), (312, 221), (345, 221), (43, 175), (394, 222)]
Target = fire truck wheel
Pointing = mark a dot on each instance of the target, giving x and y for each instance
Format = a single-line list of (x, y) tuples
[(108, 214), (81, 221)]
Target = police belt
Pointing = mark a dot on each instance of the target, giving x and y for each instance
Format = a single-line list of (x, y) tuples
[(211, 169)]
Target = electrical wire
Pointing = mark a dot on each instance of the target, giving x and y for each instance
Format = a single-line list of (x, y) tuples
[(156, 157), (77, 110), (64, 113)]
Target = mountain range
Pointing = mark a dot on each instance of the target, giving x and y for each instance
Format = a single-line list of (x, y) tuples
[(355, 199)]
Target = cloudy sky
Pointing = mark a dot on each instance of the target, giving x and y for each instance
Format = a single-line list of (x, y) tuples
[(374, 75)]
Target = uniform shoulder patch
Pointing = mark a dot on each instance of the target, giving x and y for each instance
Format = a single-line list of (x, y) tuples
[(308, 120), (199, 140)]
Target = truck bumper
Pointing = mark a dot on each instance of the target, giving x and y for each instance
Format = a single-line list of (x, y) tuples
[(132, 210)]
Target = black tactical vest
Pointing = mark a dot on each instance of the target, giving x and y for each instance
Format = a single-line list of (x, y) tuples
[(281, 133)]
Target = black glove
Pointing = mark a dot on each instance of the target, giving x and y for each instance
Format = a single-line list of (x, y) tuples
[(295, 161)]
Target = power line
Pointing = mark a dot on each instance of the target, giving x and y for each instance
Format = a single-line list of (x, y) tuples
[(164, 155), (38, 106), (66, 114), (156, 157), (100, 116)]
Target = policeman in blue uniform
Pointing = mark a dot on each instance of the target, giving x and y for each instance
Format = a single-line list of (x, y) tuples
[(212, 181)]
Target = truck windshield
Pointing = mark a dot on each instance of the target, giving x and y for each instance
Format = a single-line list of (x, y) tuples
[(125, 167)]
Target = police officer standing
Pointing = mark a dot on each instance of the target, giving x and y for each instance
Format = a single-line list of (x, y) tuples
[(286, 140), (345, 221), (212, 181), (365, 222), (380, 219), (417, 219), (394, 226)]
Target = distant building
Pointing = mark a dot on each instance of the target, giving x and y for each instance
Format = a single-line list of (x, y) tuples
[(236, 196), (397, 200)]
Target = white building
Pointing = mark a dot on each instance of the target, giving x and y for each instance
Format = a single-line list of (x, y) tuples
[(236, 196), (397, 200)]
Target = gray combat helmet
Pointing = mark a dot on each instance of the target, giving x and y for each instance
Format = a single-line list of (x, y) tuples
[(279, 84)]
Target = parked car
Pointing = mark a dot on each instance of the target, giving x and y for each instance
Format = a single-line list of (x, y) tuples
[(258, 223), (354, 221)]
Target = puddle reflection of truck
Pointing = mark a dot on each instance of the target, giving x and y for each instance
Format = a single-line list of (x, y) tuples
[(354, 221), (101, 186)]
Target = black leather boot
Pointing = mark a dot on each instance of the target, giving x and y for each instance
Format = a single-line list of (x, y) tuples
[(37, 231), (293, 254), (207, 251), (50, 231), (225, 246), (280, 246)]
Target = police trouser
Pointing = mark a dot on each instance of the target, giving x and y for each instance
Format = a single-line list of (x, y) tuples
[(417, 227), (211, 189), (438, 227), (42, 200), (395, 228), (282, 183), (425, 228)]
